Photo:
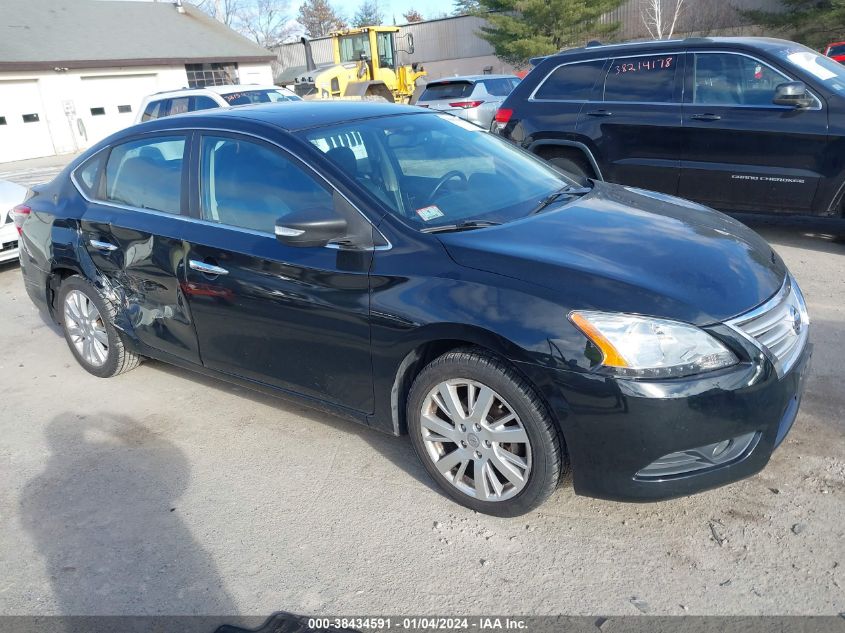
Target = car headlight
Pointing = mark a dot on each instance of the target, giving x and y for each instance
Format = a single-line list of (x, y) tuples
[(644, 347)]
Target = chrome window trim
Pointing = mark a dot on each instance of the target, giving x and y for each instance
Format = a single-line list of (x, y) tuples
[(819, 105), (532, 97), (179, 216)]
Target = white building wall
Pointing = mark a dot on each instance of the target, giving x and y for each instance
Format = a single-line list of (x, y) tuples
[(63, 101)]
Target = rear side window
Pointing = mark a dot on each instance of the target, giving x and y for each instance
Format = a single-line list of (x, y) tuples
[(572, 82), (649, 79), (87, 176), (498, 87), (251, 185), (180, 105), (447, 90), (147, 174)]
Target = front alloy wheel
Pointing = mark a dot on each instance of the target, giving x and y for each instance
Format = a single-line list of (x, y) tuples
[(483, 433), (475, 440)]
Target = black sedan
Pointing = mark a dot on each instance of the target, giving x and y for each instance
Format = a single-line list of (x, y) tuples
[(416, 274)]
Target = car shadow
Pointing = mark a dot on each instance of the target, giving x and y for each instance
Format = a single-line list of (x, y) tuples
[(398, 450), (104, 515)]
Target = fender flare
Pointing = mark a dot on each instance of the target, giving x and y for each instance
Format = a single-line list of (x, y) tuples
[(588, 154)]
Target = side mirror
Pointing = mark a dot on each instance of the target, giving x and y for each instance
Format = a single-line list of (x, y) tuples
[(792, 93), (310, 227)]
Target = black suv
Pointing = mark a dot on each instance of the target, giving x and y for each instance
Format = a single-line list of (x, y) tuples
[(740, 124)]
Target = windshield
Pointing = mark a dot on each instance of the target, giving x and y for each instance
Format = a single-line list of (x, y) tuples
[(836, 49), (826, 70), (270, 95), (437, 170)]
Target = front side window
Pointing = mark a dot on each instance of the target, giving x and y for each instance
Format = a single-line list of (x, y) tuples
[(572, 82), (251, 185), (147, 174), (433, 170), (353, 47), (649, 79), (728, 79)]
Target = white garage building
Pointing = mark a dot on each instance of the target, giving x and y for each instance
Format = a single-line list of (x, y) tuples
[(74, 71)]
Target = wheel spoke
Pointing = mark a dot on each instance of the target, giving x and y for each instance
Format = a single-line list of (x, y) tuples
[(480, 485), (509, 435), (99, 351), (91, 310), (462, 469), (448, 462), (501, 421), (447, 399), (480, 407), (439, 431), (101, 336), (73, 329), (508, 470)]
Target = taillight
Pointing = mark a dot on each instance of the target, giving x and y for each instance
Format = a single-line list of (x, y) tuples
[(503, 116), (465, 104), (19, 214)]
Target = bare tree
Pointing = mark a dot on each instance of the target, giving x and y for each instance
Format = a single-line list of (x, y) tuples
[(265, 21), (660, 17), (226, 11), (412, 15)]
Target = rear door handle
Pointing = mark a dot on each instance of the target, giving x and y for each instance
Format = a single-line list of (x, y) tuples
[(205, 268), (706, 117), (102, 246), (600, 113)]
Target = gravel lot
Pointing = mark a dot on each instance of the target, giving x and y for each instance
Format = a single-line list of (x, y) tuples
[(164, 492)]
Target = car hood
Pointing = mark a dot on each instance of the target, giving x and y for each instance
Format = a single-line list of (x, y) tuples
[(628, 250)]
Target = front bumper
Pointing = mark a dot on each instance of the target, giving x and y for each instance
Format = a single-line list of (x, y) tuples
[(614, 429)]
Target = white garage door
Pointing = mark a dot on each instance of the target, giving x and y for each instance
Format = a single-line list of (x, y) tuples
[(109, 103), (24, 132)]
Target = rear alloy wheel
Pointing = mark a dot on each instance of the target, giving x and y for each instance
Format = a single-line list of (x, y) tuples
[(483, 434), (87, 317)]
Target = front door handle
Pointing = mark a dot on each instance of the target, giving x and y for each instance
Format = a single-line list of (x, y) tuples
[(600, 113), (706, 117), (102, 246), (206, 268)]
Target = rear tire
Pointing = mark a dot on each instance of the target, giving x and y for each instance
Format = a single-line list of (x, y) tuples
[(87, 318), (455, 411), (577, 166)]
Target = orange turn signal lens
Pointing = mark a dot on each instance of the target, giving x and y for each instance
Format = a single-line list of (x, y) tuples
[(612, 357)]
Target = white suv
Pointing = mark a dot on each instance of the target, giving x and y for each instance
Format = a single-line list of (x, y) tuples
[(189, 99)]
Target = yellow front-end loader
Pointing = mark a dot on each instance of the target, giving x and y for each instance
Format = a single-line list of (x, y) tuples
[(365, 65)]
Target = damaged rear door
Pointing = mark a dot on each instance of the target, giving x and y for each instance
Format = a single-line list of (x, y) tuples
[(132, 230)]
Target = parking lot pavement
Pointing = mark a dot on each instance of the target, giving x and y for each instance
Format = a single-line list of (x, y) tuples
[(35, 170), (162, 491)]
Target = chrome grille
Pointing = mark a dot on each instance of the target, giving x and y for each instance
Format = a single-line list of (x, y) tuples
[(780, 327)]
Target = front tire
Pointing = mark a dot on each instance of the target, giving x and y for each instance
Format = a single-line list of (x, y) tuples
[(87, 320), (483, 434)]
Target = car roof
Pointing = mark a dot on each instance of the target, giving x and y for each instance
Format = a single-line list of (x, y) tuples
[(445, 80), (596, 49), (300, 115)]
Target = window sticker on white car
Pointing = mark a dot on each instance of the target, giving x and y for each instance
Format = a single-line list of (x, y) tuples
[(430, 213), (460, 123)]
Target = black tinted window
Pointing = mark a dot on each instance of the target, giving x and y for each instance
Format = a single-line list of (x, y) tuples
[(251, 185), (727, 79), (573, 82), (642, 79), (146, 174), (498, 87), (447, 90), (201, 102)]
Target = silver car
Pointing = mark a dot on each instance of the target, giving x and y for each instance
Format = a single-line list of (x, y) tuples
[(473, 98)]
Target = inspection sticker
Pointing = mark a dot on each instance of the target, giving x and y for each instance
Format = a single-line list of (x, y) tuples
[(430, 213)]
